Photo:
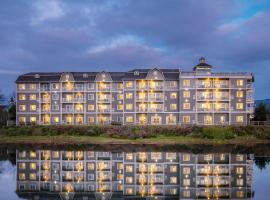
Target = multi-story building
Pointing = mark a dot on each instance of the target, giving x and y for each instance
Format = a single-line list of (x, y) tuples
[(50, 174), (140, 96)]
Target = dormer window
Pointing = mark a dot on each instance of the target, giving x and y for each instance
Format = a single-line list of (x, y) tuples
[(37, 76), (67, 77), (136, 73), (85, 75)]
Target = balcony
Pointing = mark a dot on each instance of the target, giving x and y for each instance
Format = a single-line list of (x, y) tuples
[(156, 99), (67, 100), (138, 98), (79, 99), (221, 98), (104, 100), (141, 109), (204, 85), (205, 109), (221, 109), (104, 88), (45, 100), (156, 87), (155, 109), (67, 110), (141, 87), (79, 88), (105, 110), (79, 110), (204, 98), (45, 89)]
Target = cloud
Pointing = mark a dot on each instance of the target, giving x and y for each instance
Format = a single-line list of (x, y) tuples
[(47, 10)]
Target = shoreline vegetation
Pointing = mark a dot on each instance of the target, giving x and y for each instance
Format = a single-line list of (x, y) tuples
[(153, 135)]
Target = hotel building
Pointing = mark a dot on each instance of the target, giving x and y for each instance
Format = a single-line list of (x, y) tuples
[(50, 174), (140, 96)]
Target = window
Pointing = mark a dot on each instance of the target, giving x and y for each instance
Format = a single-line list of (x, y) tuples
[(55, 119), (119, 96), (186, 94), (239, 182), (186, 182), (170, 156), (119, 86), (186, 119), (186, 157), (186, 170), (55, 86), (129, 95), (22, 107), (156, 155), (129, 156), (208, 157), (186, 193), (91, 120), (91, 86), (172, 84), (173, 169), (33, 119), (129, 168), (129, 84), (33, 166), (173, 180), (119, 106), (55, 96), (129, 191), (239, 157), (173, 106), (22, 97), (129, 119), (22, 154), (129, 179), (239, 94), (186, 106), (21, 165), (33, 107), (239, 170), (91, 107), (22, 119), (173, 95), (239, 82), (90, 166), (239, 106), (90, 96), (21, 86), (33, 97), (129, 106), (186, 83), (239, 193), (32, 86), (222, 156), (55, 107), (21, 176), (33, 154), (239, 119), (119, 166)]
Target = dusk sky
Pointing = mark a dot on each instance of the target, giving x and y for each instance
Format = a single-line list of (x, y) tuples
[(85, 35)]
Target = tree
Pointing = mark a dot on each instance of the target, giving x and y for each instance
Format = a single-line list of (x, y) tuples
[(2, 98), (261, 112)]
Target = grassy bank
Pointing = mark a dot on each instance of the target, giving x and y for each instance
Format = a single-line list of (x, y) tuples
[(135, 134)]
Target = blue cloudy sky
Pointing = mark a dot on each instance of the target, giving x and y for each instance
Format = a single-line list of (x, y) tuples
[(86, 35)]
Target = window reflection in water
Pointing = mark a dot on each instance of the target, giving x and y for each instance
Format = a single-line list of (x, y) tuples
[(155, 175)]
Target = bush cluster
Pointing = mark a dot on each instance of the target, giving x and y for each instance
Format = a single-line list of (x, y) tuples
[(135, 132)]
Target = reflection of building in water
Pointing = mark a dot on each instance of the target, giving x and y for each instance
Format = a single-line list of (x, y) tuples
[(106, 175)]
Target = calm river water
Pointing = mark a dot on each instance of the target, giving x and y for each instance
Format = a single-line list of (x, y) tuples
[(93, 172)]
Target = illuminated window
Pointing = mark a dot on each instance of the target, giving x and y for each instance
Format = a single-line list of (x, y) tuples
[(33, 154), (129, 191), (208, 157), (186, 119), (222, 156), (55, 86), (33, 107), (21, 165), (186, 193), (239, 82), (186, 106), (239, 157), (91, 120), (173, 169), (90, 166), (22, 154), (21, 176), (186, 83), (239, 94), (22, 107), (129, 179), (129, 95), (170, 156), (32, 86), (173, 95), (239, 106), (22, 97), (129, 119), (239, 119), (186, 157), (119, 86), (129, 84), (186, 94), (173, 180), (33, 119), (33, 97), (239, 193), (173, 106), (172, 84), (91, 107), (239, 182), (129, 106), (119, 165), (21, 86), (119, 106), (33, 166), (186, 170), (129, 168), (22, 119), (239, 170), (186, 182), (129, 156), (119, 96), (156, 155), (55, 119)]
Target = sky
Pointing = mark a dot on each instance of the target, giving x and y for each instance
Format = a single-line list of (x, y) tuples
[(119, 35)]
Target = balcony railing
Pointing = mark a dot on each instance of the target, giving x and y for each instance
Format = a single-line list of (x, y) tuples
[(156, 99), (45, 100), (142, 109), (79, 99), (67, 100), (67, 110), (142, 87), (104, 110), (44, 89), (199, 85), (155, 109), (156, 87), (79, 110), (204, 98), (104, 100), (205, 109)]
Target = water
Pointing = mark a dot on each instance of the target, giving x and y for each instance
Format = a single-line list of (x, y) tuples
[(128, 172)]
